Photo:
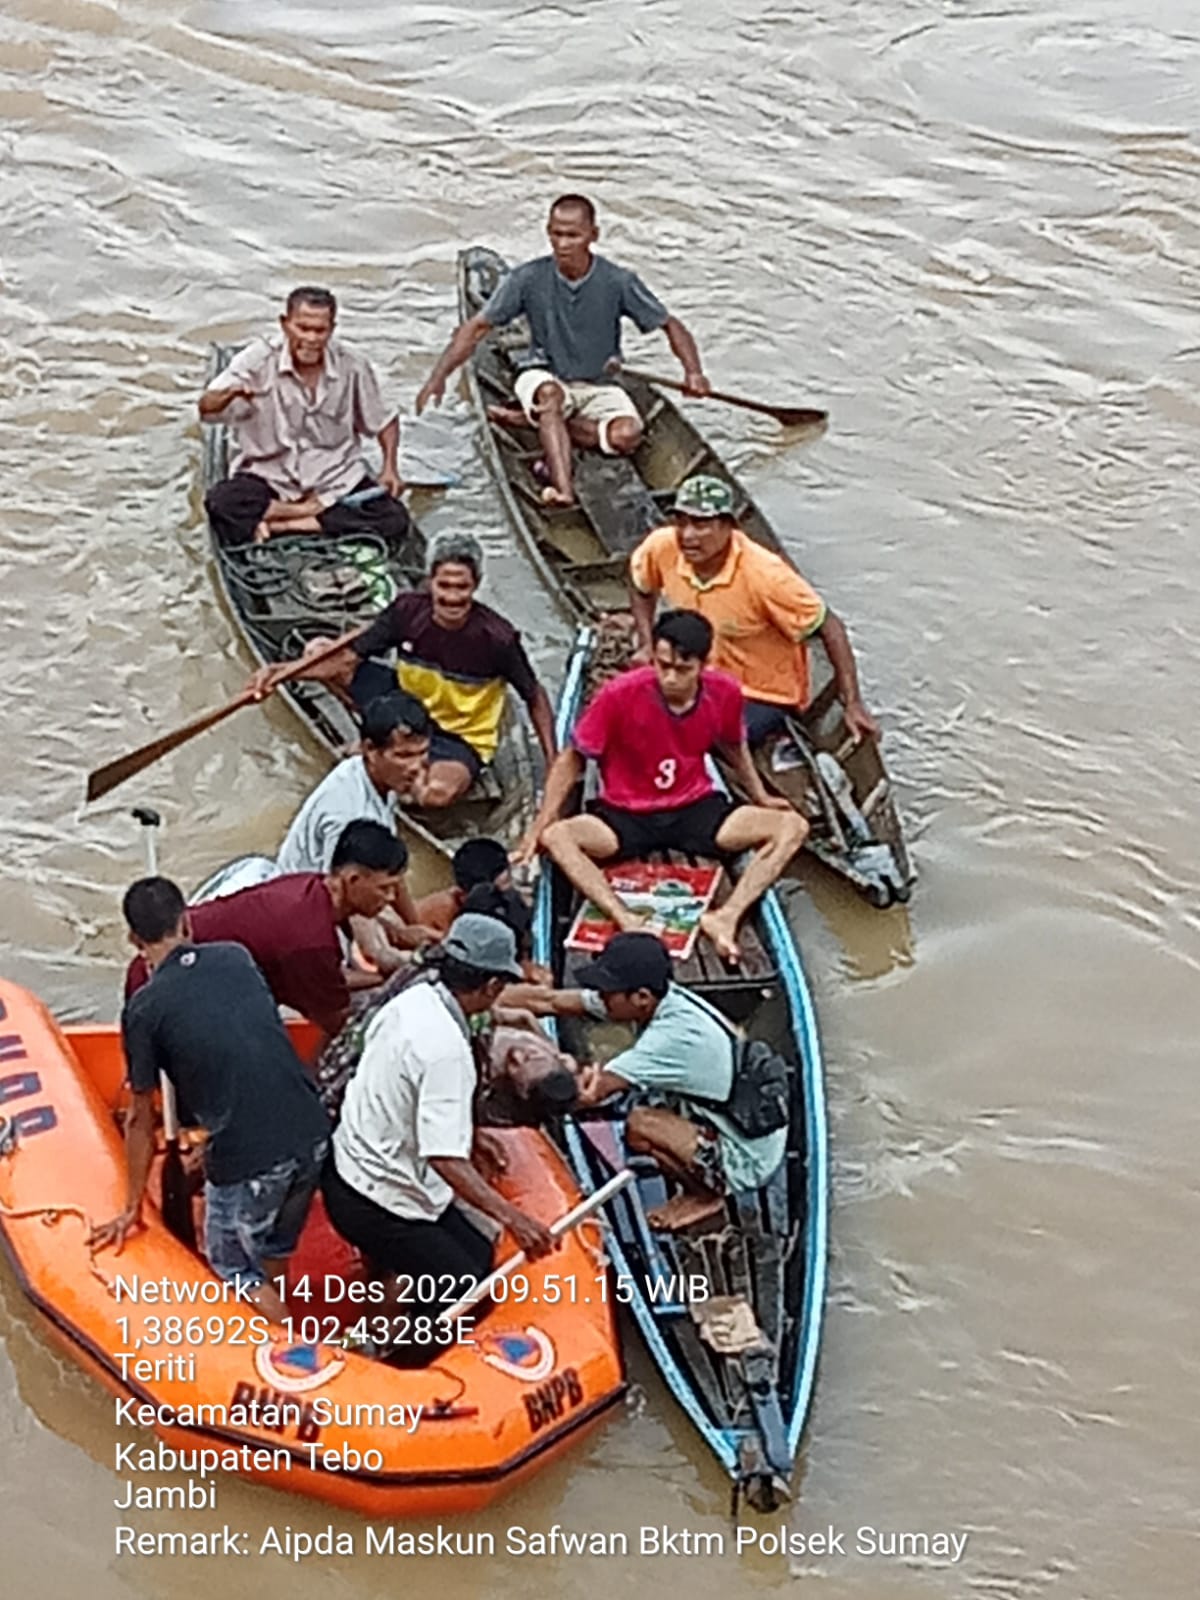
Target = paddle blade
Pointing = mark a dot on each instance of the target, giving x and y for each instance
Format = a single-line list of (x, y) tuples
[(798, 416), (108, 777), (176, 1200)]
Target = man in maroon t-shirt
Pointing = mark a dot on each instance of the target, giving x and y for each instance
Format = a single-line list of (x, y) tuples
[(290, 924), (650, 732)]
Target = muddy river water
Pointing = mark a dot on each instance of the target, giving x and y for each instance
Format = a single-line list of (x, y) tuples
[(969, 229)]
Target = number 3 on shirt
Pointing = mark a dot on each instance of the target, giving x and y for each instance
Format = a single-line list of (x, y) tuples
[(665, 776)]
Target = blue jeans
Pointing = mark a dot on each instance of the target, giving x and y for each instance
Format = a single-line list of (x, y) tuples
[(260, 1218)]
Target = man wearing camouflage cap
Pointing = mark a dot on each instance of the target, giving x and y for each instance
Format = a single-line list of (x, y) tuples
[(761, 609)]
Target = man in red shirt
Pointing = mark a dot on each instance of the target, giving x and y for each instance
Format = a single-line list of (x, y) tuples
[(650, 732), (291, 924)]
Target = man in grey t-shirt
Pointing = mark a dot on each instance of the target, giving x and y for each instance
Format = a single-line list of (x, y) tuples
[(574, 301)]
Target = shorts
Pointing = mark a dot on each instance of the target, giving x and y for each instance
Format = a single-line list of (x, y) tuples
[(601, 403), (260, 1218), (763, 719), (707, 1166), (691, 829), (445, 746)]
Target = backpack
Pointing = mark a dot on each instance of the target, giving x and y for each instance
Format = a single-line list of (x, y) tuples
[(760, 1091), (758, 1099)]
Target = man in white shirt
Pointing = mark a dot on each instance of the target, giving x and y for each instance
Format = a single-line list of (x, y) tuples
[(405, 1148), (298, 407), (368, 786)]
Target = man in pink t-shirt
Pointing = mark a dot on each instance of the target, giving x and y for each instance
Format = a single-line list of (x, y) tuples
[(650, 731)]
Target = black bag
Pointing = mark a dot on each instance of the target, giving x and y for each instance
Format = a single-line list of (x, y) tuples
[(760, 1091), (759, 1096)]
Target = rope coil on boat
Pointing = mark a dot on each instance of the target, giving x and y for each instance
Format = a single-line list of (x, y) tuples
[(49, 1214)]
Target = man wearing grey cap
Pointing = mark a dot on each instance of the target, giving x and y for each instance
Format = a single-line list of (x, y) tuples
[(405, 1149), (456, 655)]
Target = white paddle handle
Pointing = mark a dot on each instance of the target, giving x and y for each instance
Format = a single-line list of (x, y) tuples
[(573, 1218)]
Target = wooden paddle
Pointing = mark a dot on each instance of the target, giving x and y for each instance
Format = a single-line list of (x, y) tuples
[(177, 1211), (789, 416), (116, 772)]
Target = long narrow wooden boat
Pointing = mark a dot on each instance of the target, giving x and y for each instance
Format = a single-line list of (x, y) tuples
[(582, 552), (295, 1409), (290, 590), (739, 1349)]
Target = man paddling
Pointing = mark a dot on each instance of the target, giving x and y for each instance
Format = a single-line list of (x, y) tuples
[(650, 731), (298, 407), (455, 655), (761, 610), (291, 925), (574, 300)]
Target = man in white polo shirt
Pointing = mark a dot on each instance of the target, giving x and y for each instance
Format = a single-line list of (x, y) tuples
[(405, 1148), (395, 747)]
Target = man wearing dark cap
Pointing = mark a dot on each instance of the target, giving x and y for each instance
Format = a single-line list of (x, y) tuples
[(684, 1048), (405, 1149)]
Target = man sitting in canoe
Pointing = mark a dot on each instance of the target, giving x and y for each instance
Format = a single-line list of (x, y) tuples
[(683, 1056), (395, 751), (207, 1020), (453, 653), (574, 301), (291, 925), (406, 1148), (650, 731), (760, 608), (298, 407)]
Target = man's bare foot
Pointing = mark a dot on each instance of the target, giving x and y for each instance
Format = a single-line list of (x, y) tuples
[(632, 921), (684, 1211), (555, 497), (508, 416), (721, 929)]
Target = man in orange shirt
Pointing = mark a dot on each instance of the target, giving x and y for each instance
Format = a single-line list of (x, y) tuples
[(760, 608)]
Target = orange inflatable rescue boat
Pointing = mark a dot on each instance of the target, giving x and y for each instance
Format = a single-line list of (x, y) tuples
[(186, 1359)]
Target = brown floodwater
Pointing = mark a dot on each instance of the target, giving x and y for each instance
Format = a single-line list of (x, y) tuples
[(971, 231)]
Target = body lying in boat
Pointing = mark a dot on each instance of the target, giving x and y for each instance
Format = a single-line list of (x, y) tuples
[(761, 610), (574, 301), (455, 655), (298, 407), (650, 732)]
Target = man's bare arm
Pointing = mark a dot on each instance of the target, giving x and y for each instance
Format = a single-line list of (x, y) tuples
[(462, 345), (683, 347)]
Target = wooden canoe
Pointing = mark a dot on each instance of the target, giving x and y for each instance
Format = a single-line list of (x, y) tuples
[(290, 590), (764, 1261), (581, 553)]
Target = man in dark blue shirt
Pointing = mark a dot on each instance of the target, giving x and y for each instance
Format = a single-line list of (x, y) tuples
[(574, 301), (209, 1022)]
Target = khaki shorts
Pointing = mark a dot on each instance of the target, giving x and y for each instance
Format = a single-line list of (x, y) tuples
[(600, 403)]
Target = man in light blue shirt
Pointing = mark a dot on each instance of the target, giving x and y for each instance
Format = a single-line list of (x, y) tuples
[(574, 301), (683, 1056)]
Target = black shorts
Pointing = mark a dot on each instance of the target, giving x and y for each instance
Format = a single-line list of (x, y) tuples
[(691, 829)]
